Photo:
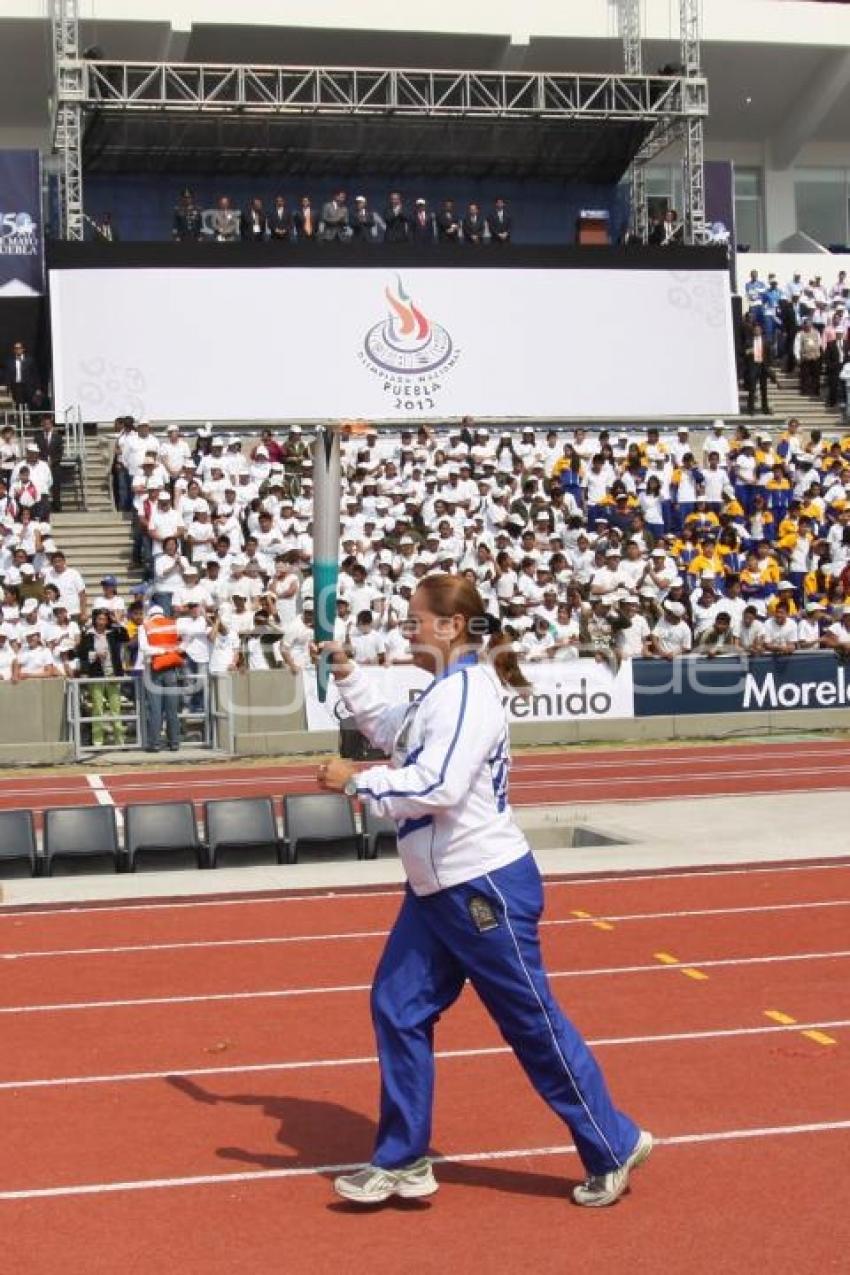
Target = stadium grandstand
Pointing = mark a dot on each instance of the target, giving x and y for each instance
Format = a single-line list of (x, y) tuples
[(308, 319)]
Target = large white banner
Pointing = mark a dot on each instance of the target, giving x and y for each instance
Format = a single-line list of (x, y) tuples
[(381, 343), (575, 690)]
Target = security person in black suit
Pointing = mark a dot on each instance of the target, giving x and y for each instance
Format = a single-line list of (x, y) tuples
[(500, 223), (21, 376), (758, 367), (448, 226), (51, 446), (280, 221), (396, 220), (253, 224), (473, 225)]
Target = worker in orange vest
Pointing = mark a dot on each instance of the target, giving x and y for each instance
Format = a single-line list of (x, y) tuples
[(159, 643)]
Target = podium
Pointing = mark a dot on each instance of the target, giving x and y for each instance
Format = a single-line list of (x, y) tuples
[(593, 227)]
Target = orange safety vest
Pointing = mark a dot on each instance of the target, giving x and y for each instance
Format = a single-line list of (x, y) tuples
[(162, 635)]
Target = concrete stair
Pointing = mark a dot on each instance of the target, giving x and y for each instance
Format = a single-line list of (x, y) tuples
[(98, 482), (97, 544), (97, 541), (786, 401)]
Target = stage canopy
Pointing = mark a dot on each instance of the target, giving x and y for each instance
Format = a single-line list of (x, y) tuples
[(581, 150)]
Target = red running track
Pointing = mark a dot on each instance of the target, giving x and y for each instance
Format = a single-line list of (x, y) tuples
[(539, 778), (179, 1078)]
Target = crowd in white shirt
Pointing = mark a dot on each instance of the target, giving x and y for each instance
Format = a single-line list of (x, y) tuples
[(643, 544)]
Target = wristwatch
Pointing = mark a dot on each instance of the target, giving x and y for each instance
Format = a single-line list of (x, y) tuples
[(350, 787)]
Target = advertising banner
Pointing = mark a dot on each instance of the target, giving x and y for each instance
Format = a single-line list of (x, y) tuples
[(575, 690), (736, 684), (720, 200), (404, 344), (21, 231)]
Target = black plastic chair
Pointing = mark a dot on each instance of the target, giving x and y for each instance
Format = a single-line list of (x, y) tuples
[(17, 838), (321, 820), (245, 823), (80, 832), (380, 834), (161, 828)]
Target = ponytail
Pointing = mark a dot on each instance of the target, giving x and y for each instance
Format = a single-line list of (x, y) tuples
[(449, 595), (502, 654)]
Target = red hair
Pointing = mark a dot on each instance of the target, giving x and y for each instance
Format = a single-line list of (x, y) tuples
[(447, 596)]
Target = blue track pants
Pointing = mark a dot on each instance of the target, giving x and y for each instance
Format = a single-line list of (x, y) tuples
[(486, 931)]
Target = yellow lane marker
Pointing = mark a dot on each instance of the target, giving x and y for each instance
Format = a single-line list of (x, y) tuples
[(667, 958), (588, 916), (820, 1038)]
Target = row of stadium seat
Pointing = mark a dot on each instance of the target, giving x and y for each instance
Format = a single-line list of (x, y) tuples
[(325, 822)]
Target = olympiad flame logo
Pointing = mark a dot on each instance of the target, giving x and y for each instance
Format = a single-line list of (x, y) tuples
[(406, 342)]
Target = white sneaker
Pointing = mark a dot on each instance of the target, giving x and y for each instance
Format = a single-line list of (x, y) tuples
[(373, 1185), (606, 1188)]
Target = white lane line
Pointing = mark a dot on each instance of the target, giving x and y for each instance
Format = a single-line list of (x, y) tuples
[(461, 1157), (102, 796), (62, 1082), (283, 993), (276, 940), (557, 763), (700, 777), (128, 906)]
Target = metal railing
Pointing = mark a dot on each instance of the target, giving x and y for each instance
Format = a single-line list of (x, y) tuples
[(26, 422), (109, 714)]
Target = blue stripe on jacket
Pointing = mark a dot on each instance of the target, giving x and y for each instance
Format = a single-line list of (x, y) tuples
[(424, 792)]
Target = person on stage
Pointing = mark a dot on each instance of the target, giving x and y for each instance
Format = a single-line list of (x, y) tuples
[(473, 900)]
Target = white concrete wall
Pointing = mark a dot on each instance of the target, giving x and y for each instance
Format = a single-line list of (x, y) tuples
[(756, 21)]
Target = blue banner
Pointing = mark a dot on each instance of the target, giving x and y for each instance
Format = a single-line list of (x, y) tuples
[(737, 684), (21, 231)]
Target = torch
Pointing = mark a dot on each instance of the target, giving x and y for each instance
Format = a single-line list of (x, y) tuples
[(327, 490)]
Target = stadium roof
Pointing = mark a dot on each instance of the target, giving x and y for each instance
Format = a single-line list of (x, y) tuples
[(775, 77)]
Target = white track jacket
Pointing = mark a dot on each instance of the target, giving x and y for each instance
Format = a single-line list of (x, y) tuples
[(447, 787)]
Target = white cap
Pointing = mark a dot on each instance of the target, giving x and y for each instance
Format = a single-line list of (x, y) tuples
[(155, 610), (675, 608)]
